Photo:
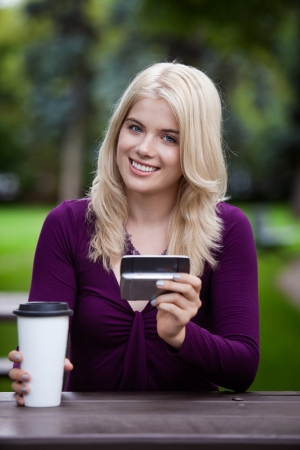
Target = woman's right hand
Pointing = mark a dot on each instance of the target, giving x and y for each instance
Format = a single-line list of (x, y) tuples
[(19, 376)]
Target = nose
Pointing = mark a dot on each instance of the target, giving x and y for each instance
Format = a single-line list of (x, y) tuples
[(146, 146)]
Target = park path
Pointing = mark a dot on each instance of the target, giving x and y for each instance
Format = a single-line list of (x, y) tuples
[(289, 282), (10, 301)]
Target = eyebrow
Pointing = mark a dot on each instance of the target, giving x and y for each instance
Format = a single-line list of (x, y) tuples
[(165, 130)]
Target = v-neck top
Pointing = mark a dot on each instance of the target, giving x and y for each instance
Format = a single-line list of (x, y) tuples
[(131, 250), (114, 348)]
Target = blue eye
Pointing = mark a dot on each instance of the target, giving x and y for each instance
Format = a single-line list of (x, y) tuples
[(136, 128), (170, 139)]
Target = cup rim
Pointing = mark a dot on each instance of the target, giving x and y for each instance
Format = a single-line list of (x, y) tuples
[(43, 309)]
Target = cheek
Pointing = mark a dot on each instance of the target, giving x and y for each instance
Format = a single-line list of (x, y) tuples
[(123, 145), (120, 148), (175, 164)]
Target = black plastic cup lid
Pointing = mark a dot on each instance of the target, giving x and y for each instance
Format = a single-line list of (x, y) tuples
[(43, 309)]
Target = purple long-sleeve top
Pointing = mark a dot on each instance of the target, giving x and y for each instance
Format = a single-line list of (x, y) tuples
[(114, 348)]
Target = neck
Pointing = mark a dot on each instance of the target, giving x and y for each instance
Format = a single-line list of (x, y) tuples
[(149, 211)]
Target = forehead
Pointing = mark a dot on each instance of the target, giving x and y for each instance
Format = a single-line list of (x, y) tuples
[(154, 110)]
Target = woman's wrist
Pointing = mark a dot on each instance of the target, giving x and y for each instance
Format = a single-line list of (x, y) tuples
[(177, 341)]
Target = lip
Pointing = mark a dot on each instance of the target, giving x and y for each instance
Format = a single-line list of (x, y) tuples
[(139, 172)]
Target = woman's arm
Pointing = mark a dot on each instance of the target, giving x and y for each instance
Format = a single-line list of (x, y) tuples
[(229, 355), (53, 278)]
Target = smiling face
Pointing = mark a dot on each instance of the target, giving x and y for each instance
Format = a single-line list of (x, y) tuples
[(148, 151)]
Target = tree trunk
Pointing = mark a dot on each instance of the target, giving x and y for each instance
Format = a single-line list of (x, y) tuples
[(296, 193), (70, 180), (295, 200)]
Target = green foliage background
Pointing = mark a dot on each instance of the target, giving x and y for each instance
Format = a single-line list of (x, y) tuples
[(250, 49)]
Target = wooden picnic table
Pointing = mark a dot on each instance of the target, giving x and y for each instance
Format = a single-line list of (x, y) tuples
[(154, 420), (10, 301)]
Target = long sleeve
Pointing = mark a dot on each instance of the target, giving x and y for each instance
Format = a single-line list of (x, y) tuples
[(229, 355), (53, 277)]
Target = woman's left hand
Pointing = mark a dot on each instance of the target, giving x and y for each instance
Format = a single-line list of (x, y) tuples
[(177, 308)]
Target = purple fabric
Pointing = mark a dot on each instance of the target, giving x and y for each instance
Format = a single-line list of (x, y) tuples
[(114, 348), (130, 249)]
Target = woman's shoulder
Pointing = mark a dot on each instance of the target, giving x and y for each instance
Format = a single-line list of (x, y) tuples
[(229, 213), (76, 207), (69, 213), (234, 220)]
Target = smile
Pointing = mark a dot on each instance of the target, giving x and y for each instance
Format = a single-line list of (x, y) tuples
[(143, 168)]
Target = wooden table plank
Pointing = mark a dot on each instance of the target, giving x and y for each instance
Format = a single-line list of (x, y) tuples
[(155, 420)]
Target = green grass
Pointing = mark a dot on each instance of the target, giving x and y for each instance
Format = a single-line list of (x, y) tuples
[(279, 367), (279, 330), (279, 319), (8, 340), (19, 231)]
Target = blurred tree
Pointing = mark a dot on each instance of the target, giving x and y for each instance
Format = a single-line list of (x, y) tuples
[(293, 148), (267, 102), (13, 89), (54, 108), (58, 67), (243, 47), (228, 26)]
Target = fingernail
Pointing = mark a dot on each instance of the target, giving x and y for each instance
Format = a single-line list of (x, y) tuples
[(176, 276), (24, 377), (17, 357), (160, 283), (153, 302), (20, 403), (24, 390)]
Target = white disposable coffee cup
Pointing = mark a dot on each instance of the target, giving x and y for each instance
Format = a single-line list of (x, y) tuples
[(43, 334)]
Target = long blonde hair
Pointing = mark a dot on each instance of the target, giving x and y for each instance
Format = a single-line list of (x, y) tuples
[(194, 227)]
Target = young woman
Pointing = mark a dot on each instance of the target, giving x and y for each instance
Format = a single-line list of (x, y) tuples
[(159, 189)]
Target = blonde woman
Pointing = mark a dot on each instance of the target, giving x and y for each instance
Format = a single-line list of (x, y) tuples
[(159, 189)]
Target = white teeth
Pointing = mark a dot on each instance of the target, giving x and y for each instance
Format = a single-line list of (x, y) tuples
[(143, 168)]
